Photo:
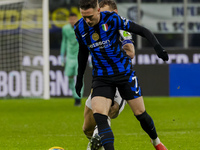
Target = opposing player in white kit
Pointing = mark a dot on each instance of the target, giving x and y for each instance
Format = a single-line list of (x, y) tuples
[(89, 128)]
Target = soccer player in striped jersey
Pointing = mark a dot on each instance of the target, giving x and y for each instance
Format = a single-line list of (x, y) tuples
[(98, 33), (119, 104)]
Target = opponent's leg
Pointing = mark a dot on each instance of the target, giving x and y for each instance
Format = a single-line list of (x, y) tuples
[(118, 106), (114, 111), (89, 122)]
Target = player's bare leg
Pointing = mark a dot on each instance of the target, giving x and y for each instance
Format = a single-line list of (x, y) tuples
[(89, 128), (114, 111), (95, 142), (138, 108), (88, 125), (137, 105), (89, 122), (100, 108)]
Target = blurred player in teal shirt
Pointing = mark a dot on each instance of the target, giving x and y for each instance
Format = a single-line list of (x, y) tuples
[(69, 48)]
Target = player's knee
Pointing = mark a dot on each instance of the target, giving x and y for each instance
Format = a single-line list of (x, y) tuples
[(138, 112), (142, 116), (114, 111), (88, 131), (145, 120)]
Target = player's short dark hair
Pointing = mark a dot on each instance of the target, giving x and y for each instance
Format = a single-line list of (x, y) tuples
[(73, 15), (111, 3), (86, 4)]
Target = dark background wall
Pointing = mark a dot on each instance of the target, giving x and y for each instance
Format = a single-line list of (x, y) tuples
[(177, 77)]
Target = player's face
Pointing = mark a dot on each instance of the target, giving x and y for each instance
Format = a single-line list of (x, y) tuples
[(91, 16), (73, 20), (107, 8)]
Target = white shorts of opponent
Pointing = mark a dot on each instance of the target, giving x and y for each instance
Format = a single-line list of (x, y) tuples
[(117, 99)]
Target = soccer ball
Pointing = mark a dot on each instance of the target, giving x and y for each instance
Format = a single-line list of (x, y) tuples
[(56, 148)]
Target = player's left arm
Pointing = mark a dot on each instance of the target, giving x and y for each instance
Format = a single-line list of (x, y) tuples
[(127, 43), (132, 27)]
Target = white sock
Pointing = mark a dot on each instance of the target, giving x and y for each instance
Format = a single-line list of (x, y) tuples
[(155, 141), (109, 121), (95, 130)]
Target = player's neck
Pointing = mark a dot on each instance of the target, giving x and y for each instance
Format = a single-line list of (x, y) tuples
[(98, 21), (99, 18)]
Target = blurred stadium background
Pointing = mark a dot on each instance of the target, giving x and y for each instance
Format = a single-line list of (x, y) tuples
[(30, 68), (24, 47)]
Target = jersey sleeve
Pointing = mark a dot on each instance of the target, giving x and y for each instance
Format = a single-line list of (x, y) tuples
[(130, 26), (125, 35), (82, 55), (78, 36)]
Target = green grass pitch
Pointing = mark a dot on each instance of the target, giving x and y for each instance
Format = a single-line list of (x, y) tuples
[(41, 124)]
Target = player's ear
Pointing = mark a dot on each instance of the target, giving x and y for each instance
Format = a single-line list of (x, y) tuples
[(98, 9)]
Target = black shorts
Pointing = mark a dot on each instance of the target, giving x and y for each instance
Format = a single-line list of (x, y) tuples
[(127, 85)]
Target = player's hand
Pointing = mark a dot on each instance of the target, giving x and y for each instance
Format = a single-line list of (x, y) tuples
[(161, 53), (78, 86)]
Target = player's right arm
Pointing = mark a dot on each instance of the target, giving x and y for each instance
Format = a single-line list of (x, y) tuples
[(130, 50), (82, 62), (63, 46), (127, 44)]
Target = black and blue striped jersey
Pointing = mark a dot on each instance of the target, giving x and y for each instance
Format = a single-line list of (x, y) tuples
[(102, 41)]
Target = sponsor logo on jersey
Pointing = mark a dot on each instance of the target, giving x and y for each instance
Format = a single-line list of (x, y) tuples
[(95, 36), (100, 44), (105, 27)]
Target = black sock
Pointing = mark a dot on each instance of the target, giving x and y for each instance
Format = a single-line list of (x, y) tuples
[(105, 132), (147, 125)]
